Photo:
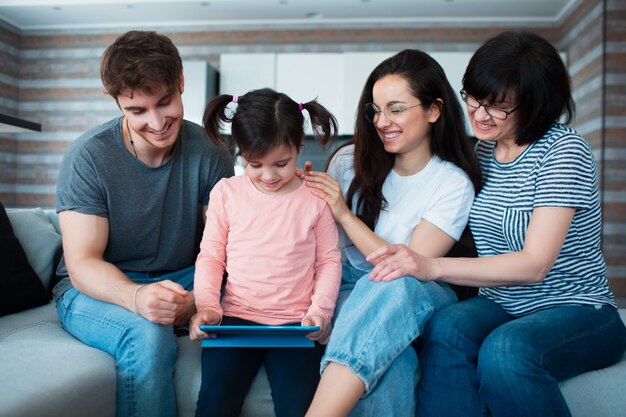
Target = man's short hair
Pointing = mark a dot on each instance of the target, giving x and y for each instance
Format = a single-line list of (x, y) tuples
[(141, 60)]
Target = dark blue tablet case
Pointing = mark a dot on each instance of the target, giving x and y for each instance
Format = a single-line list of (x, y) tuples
[(258, 336)]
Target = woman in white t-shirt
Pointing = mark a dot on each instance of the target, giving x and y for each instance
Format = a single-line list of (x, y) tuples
[(409, 176)]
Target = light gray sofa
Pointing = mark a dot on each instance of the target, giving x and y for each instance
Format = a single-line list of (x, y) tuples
[(46, 372)]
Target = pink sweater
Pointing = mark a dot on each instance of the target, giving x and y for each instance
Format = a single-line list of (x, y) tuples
[(280, 252)]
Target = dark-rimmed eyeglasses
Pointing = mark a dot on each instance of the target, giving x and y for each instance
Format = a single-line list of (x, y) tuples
[(493, 111), (372, 112)]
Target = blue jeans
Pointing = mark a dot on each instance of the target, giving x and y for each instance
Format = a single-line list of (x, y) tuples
[(478, 358), (373, 333), (144, 352)]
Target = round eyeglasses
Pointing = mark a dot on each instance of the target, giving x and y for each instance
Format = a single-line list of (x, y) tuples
[(372, 112), (493, 111)]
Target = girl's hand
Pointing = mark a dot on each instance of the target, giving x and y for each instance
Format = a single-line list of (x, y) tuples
[(200, 318), (326, 188), (321, 336), (395, 261)]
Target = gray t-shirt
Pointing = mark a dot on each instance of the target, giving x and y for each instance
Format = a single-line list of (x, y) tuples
[(154, 214)]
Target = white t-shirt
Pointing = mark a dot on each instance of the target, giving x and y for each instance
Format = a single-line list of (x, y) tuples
[(441, 193)]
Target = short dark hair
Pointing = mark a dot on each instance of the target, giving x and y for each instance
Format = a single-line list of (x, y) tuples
[(527, 66), (266, 119), (143, 61)]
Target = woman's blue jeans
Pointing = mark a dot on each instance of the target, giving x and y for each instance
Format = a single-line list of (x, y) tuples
[(144, 352), (372, 335), (477, 358)]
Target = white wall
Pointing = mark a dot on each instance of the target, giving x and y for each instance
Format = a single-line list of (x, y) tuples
[(200, 82), (335, 79)]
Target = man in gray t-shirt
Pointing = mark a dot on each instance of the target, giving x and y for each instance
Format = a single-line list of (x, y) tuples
[(131, 198)]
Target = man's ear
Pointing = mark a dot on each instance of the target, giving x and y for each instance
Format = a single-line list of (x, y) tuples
[(434, 112), (181, 88)]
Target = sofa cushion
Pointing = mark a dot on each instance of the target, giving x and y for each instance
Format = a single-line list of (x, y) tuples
[(20, 287), (40, 240), (45, 371)]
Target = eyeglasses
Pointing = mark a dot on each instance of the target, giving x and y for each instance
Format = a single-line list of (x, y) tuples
[(372, 111), (493, 111)]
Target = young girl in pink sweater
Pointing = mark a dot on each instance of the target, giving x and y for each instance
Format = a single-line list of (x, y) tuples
[(278, 245)]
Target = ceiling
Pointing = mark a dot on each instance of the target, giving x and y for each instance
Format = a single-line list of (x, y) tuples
[(33, 15)]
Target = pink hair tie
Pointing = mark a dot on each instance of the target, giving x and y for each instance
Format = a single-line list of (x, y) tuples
[(235, 98), (300, 106)]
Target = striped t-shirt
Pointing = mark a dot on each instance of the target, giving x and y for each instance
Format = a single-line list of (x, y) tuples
[(559, 171)]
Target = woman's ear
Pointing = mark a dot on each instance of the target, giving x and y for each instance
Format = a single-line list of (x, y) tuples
[(434, 112)]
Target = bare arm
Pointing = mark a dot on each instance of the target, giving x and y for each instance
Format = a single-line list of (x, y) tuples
[(328, 189), (85, 239), (427, 239), (544, 238)]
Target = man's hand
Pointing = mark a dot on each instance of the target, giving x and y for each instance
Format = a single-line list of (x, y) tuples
[(164, 302), (185, 311)]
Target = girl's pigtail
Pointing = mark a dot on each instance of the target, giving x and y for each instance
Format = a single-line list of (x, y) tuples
[(214, 117), (323, 123)]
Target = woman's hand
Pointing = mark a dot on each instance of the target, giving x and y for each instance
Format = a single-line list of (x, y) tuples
[(395, 261), (301, 173), (326, 188), (200, 318), (321, 336)]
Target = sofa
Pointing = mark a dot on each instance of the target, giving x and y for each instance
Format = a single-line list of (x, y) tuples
[(44, 371)]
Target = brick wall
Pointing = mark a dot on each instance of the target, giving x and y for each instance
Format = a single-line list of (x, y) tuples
[(9, 68), (52, 78), (614, 150)]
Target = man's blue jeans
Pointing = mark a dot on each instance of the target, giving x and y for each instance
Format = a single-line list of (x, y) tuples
[(144, 352), (478, 358), (372, 336)]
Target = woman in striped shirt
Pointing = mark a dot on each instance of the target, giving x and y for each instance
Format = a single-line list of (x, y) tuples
[(544, 312)]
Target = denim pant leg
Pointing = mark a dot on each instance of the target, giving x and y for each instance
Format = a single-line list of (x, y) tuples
[(395, 393), (377, 322), (448, 385), (521, 362), (144, 352)]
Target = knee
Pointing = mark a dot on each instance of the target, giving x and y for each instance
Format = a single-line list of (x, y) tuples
[(502, 357), (399, 294), (152, 340), (443, 327)]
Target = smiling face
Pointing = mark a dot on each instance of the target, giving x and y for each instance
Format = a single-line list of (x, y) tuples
[(274, 172), (487, 127), (407, 131), (156, 118)]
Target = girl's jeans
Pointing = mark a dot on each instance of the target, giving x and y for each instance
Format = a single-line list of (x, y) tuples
[(478, 358), (372, 335), (144, 352), (228, 373)]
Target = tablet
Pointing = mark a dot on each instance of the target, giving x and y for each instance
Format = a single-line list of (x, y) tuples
[(258, 336)]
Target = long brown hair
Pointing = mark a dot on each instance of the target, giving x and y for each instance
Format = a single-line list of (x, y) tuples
[(448, 138)]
